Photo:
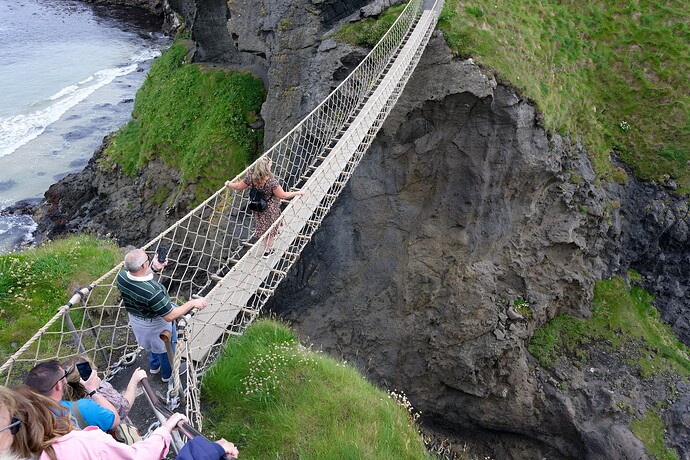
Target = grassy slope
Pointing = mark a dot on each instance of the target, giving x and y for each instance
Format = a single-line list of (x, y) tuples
[(626, 321), (34, 283), (195, 118), (611, 72), (276, 399)]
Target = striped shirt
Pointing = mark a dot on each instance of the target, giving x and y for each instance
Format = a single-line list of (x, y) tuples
[(143, 296)]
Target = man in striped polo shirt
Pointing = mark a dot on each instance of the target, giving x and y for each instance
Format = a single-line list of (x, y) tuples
[(150, 309)]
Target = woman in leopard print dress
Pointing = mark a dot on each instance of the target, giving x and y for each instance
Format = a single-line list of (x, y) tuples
[(262, 178)]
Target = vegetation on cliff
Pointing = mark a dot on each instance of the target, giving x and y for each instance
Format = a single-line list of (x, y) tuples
[(612, 73), (194, 117), (624, 323), (277, 399), (35, 282), (619, 318), (368, 32)]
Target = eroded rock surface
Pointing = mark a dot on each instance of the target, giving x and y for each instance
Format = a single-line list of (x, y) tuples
[(463, 205)]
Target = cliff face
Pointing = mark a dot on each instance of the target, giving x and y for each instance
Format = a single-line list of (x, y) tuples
[(103, 200), (462, 205)]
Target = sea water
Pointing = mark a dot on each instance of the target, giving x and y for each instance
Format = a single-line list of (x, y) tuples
[(69, 72)]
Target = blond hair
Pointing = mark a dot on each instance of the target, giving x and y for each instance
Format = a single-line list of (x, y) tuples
[(42, 421), (262, 171)]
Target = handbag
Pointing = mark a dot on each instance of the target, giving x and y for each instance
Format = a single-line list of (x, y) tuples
[(257, 200), (126, 434)]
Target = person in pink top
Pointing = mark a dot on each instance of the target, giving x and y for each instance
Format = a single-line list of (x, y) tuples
[(44, 430), (92, 443)]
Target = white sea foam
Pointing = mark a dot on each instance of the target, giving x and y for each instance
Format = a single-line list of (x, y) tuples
[(17, 130)]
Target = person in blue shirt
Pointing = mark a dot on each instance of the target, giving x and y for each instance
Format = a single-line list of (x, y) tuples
[(48, 379)]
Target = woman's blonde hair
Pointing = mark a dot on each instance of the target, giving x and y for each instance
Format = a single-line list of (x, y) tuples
[(42, 421), (262, 171), (74, 390)]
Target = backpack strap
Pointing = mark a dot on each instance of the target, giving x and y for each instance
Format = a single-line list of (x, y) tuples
[(77, 415)]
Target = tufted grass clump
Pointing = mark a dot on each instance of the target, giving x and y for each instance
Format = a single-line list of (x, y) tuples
[(275, 398), (614, 74), (369, 31), (35, 282), (195, 118)]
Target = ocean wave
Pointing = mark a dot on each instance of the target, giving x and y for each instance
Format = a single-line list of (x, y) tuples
[(15, 230), (145, 55), (17, 130)]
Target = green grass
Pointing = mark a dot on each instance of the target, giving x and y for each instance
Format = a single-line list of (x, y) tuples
[(614, 74), (650, 430), (621, 319), (193, 117), (276, 399), (626, 323), (35, 282), (369, 31)]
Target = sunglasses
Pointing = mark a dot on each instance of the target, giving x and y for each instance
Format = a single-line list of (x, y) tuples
[(149, 258), (67, 371), (13, 427)]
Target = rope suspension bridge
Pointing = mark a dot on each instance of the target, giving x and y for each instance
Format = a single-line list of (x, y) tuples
[(211, 250)]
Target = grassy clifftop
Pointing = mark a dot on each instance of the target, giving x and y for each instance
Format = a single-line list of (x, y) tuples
[(277, 399), (612, 73), (195, 118)]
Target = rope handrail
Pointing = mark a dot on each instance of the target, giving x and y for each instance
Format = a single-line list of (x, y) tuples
[(212, 251)]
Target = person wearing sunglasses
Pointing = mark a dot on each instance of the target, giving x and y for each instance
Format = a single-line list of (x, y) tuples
[(9, 423), (50, 379), (46, 433)]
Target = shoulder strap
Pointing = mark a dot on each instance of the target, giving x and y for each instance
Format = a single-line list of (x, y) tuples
[(77, 415)]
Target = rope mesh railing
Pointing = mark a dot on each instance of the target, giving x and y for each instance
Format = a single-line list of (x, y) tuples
[(212, 252)]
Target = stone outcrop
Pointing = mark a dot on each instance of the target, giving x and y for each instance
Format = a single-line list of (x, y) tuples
[(282, 41), (102, 200)]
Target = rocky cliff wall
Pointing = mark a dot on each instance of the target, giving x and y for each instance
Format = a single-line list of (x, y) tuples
[(462, 205), (103, 200)]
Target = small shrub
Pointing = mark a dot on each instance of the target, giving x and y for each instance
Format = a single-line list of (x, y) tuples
[(650, 430), (619, 175), (475, 11)]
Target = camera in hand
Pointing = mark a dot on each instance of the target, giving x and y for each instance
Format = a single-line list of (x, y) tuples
[(162, 252), (84, 370)]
